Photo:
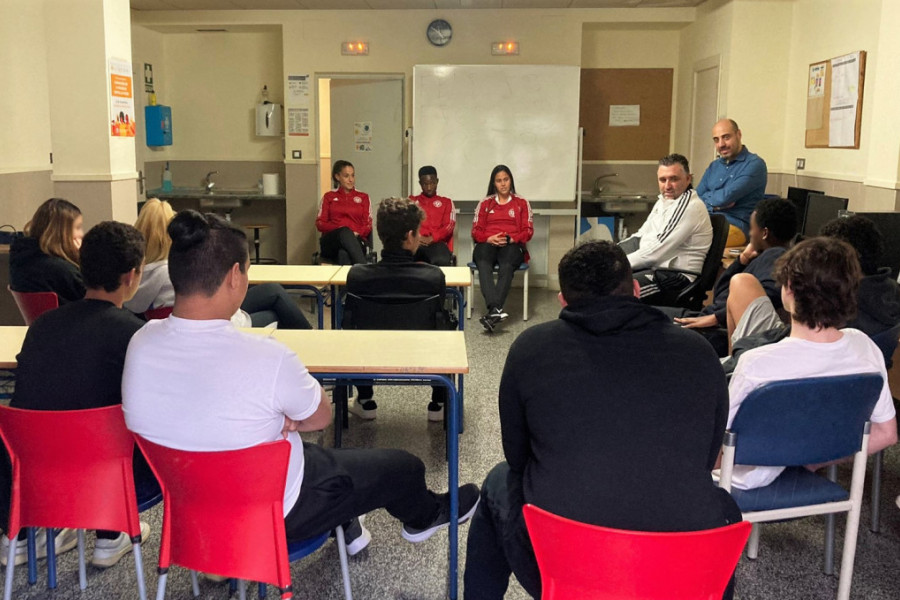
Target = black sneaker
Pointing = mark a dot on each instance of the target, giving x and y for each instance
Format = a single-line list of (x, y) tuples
[(356, 536), (469, 495), (500, 314), (488, 323)]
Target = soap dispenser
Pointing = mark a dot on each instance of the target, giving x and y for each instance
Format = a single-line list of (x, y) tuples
[(268, 116), (167, 179)]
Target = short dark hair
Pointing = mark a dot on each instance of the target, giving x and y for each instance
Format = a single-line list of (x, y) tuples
[(427, 170), (675, 159), (863, 235), (204, 248), (823, 274), (339, 165), (593, 270), (499, 169), (396, 217), (779, 216), (108, 251)]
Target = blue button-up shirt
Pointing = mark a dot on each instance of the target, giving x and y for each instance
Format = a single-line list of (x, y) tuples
[(734, 188)]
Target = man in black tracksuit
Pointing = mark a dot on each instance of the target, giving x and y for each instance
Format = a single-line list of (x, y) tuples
[(398, 276), (585, 440)]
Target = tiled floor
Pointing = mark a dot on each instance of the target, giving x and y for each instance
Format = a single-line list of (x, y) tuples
[(790, 559)]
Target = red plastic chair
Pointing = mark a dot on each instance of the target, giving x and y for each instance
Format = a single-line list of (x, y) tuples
[(223, 514), (162, 312), (588, 562), (34, 304), (73, 469)]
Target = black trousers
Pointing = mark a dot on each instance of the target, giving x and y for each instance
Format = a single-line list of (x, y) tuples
[(507, 258), (436, 253), (660, 288), (342, 246), (269, 302), (342, 483)]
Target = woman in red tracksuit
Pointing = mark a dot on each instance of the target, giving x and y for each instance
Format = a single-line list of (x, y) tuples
[(344, 218), (503, 224)]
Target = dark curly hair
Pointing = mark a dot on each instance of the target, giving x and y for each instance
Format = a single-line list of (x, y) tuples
[(108, 251), (823, 274), (863, 235), (593, 270), (394, 219), (779, 216)]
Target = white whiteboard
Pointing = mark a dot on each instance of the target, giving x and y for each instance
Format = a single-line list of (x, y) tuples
[(469, 118)]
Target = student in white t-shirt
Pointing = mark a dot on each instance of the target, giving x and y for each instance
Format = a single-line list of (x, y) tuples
[(194, 382), (819, 281)]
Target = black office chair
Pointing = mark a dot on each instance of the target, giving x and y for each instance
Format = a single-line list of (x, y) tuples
[(693, 296), (887, 342), (401, 312)]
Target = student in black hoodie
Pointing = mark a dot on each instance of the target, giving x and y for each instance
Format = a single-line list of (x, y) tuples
[(46, 259), (397, 274), (587, 443)]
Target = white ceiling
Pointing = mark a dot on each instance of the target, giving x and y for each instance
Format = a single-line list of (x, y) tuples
[(398, 4)]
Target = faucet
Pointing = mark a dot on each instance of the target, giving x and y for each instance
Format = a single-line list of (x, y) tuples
[(599, 188), (210, 184)]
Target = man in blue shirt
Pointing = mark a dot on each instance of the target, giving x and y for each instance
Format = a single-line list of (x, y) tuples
[(734, 182)]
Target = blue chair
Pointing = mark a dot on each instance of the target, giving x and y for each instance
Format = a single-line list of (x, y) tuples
[(469, 293), (887, 343), (799, 422)]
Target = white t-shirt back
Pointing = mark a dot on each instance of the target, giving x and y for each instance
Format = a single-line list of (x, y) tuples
[(205, 386), (793, 358)]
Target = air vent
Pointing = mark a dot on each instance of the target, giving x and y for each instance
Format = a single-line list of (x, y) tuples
[(211, 30)]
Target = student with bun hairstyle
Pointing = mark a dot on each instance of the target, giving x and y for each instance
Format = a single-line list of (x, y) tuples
[(47, 258), (503, 225), (194, 382), (263, 305), (344, 218)]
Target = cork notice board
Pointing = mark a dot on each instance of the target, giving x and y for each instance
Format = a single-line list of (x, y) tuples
[(834, 101), (625, 89)]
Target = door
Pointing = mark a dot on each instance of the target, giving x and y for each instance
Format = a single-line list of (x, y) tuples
[(704, 114), (366, 127)]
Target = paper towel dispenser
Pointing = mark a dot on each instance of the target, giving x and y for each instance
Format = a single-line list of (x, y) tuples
[(268, 119), (158, 123)]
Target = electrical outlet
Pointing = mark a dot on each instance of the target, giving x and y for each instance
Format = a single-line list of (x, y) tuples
[(801, 164), (296, 153)]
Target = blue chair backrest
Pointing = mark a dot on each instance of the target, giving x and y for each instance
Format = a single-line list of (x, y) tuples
[(805, 421), (887, 343)]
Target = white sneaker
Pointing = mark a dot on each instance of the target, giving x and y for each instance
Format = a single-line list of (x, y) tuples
[(65, 540), (365, 410), (109, 552), (356, 536)]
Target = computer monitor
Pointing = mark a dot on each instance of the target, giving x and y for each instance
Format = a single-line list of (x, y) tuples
[(799, 197), (888, 223), (819, 210)]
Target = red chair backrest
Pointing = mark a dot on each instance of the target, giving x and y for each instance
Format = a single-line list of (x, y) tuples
[(162, 312), (71, 468), (34, 304), (223, 511), (588, 562)]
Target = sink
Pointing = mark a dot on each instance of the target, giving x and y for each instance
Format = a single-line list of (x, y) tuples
[(622, 203)]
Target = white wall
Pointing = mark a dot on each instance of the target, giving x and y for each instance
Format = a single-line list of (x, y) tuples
[(213, 83), (821, 30), (630, 45), (147, 47), (24, 101)]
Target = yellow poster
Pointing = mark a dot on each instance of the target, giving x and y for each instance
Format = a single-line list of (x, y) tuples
[(121, 99)]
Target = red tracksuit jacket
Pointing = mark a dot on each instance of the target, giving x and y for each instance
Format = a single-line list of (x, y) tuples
[(514, 217), (440, 218), (341, 208)]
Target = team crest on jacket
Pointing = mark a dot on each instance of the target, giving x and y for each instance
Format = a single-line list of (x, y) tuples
[(437, 204), (357, 199), (512, 213)]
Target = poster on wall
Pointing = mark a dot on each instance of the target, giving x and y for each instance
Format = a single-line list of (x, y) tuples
[(298, 102), (121, 98), (362, 136)]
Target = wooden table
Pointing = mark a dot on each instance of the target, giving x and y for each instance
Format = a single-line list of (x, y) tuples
[(297, 277), (346, 357), (455, 278)]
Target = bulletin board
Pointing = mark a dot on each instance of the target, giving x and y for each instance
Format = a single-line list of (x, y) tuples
[(834, 95), (610, 101)]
